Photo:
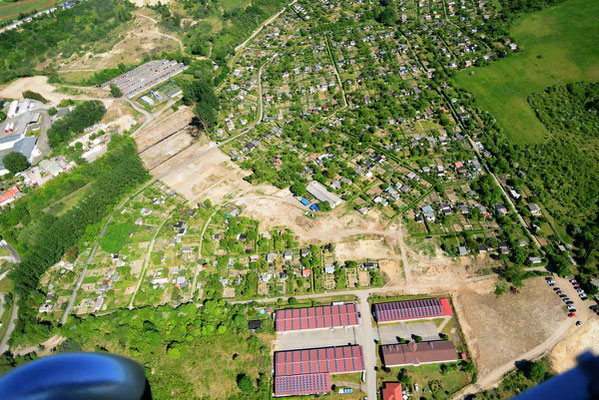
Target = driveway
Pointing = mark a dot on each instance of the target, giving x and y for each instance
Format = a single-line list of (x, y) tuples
[(317, 338)]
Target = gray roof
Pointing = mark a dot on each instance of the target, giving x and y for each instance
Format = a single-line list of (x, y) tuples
[(24, 146)]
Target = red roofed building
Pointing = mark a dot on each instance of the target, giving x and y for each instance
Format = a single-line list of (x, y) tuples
[(302, 384), (412, 309), (292, 319), (308, 371), (335, 360), (9, 196), (391, 391)]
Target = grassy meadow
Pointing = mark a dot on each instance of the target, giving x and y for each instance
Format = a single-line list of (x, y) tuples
[(559, 45), (12, 10)]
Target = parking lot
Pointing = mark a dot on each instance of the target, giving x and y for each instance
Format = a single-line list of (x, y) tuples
[(567, 290), (317, 338)]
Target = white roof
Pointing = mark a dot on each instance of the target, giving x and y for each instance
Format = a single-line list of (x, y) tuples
[(322, 194)]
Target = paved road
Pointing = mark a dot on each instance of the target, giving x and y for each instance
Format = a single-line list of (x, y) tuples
[(13, 252), (368, 345), (11, 325)]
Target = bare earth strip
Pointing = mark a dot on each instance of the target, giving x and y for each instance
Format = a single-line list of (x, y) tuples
[(161, 152), (162, 127)]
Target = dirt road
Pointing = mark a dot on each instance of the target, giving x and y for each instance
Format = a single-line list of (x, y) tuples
[(497, 374), (176, 39), (197, 271), (147, 259), (73, 297)]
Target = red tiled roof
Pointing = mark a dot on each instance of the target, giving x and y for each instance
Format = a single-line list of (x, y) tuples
[(325, 359), (302, 384), (392, 391), (292, 319), (9, 194), (411, 309)]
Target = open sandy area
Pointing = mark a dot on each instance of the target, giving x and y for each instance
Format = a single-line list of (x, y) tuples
[(39, 84), (563, 356), (499, 329), (204, 172)]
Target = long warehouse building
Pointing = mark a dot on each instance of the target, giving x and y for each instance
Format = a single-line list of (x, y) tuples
[(335, 360), (413, 353), (293, 319), (308, 371), (411, 309)]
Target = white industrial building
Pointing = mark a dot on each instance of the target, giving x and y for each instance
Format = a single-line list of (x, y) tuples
[(322, 194)]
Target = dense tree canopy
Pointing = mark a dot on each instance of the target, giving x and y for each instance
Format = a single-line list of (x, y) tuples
[(15, 162)]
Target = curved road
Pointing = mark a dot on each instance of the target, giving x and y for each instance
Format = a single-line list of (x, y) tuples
[(14, 253), (11, 326)]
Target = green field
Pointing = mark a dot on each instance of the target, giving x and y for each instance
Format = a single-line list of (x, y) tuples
[(559, 46), (12, 10)]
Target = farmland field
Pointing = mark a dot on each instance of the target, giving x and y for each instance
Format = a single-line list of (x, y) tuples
[(559, 46), (10, 9)]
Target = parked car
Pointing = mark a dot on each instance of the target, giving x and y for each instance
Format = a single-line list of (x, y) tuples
[(571, 315), (556, 288), (583, 298), (565, 299), (572, 281), (569, 302), (578, 323)]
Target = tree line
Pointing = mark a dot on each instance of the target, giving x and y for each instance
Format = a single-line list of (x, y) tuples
[(58, 233)]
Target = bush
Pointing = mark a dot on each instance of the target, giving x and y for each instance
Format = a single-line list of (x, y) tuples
[(52, 111), (535, 371), (245, 384), (115, 91), (28, 94)]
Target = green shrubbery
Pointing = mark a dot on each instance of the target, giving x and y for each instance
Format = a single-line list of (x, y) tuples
[(74, 123)]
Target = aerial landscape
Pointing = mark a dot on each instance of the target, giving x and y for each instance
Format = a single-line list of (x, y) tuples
[(254, 199)]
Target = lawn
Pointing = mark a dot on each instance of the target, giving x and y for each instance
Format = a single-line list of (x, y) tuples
[(559, 46), (4, 252), (429, 378), (116, 237), (10, 9)]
